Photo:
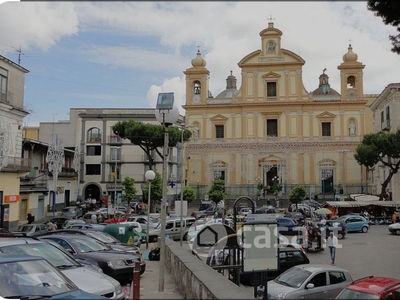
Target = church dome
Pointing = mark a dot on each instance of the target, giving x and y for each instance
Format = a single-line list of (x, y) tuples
[(350, 55), (198, 61), (324, 88), (231, 89)]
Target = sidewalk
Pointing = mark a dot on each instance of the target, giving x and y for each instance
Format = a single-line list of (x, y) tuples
[(149, 280)]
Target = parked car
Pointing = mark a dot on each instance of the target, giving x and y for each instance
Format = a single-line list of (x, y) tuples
[(338, 226), (311, 281), (116, 264), (173, 229), (33, 277), (355, 223), (88, 216), (95, 227), (372, 287), (394, 228), (72, 222), (287, 226), (32, 229), (59, 221), (288, 257), (102, 237), (86, 279), (72, 212), (144, 221)]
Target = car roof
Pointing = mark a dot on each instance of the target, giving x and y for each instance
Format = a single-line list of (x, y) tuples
[(67, 236), (17, 240), (319, 267), (373, 284), (10, 257)]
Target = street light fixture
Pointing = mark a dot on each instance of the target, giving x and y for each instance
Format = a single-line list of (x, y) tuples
[(149, 175), (168, 115)]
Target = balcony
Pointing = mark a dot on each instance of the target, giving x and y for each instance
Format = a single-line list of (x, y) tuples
[(385, 125), (113, 159), (17, 164), (114, 139)]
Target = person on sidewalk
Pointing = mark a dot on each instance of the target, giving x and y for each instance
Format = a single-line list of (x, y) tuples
[(332, 244)]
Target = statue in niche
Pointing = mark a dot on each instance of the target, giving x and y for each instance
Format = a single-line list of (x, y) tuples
[(352, 128), (271, 46)]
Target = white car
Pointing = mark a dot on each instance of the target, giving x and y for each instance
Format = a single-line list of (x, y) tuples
[(136, 226), (394, 228)]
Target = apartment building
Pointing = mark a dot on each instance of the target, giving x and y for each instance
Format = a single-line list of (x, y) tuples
[(386, 118), (13, 164)]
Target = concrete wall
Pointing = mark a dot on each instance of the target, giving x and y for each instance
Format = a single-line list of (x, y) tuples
[(195, 279)]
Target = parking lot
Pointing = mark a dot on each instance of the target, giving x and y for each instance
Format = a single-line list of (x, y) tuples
[(362, 254)]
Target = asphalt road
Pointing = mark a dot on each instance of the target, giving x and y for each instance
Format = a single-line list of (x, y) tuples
[(376, 252)]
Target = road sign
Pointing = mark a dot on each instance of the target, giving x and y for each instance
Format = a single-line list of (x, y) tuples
[(171, 184)]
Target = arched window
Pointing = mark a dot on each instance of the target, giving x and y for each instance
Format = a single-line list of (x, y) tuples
[(351, 82), (94, 135), (197, 87)]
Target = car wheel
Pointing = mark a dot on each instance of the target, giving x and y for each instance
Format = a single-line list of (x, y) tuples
[(398, 231), (364, 229), (341, 236), (254, 279)]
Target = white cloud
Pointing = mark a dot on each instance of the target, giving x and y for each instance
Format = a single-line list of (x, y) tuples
[(157, 40)]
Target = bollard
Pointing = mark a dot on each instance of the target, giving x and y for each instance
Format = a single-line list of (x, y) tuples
[(135, 286)]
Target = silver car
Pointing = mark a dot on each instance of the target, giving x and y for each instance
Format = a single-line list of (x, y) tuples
[(310, 281), (86, 279)]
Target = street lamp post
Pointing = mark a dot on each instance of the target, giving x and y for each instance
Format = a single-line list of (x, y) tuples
[(115, 176), (149, 175), (276, 189), (77, 165), (168, 115)]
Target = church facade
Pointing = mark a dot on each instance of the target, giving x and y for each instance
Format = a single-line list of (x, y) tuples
[(271, 131)]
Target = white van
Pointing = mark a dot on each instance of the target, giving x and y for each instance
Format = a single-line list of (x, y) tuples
[(172, 228)]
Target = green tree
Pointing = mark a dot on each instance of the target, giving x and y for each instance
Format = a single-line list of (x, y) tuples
[(149, 137), (297, 194), (155, 192), (390, 13), (129, 190), (189, 194), (381, 147), (216, 192)]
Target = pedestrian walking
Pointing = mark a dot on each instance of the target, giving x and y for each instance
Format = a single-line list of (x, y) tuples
[(30, 218), (332, 244)]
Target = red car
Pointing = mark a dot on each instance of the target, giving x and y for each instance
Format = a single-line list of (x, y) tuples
[(119, 217), (372, 287)]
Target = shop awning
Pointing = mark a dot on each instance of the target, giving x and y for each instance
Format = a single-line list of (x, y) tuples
[(343, 203), (385, 203)]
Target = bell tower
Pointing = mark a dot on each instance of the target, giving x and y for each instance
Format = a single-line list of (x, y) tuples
[(351, 77), (197, 81)]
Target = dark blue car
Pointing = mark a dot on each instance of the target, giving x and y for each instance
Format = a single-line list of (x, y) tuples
[(287, 226)]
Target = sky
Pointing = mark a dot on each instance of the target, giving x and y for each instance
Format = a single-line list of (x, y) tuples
[(122, 54)]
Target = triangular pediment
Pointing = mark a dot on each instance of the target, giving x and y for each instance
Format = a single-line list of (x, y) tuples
[(271, 75), (326, 114), (219, 117)]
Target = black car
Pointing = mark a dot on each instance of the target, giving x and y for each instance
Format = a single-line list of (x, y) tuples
[(338, 227), (104, 237), (116, 264), (288, 257)]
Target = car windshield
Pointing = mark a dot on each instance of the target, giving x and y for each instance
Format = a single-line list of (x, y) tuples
[(104, 237), (45, 250), (89, 245), (24, 228), (350, 294), (31, 278), (293, 277)]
